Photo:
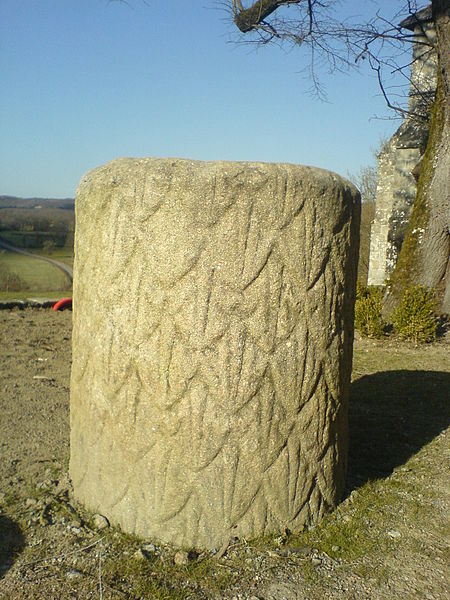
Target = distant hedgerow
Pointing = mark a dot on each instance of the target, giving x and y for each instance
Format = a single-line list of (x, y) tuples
[(369, 303), (414, 318)]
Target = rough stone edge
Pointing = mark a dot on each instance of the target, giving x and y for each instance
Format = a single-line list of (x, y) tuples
[(90, 175)]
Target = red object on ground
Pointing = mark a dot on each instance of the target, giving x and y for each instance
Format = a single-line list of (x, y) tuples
[(63, 303)]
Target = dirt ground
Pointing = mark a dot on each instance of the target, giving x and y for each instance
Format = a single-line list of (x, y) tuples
[(49, 548)]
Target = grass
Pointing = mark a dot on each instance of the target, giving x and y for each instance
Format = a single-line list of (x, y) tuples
[(361, 527), (64, 255), (156, 576), (36, 275)]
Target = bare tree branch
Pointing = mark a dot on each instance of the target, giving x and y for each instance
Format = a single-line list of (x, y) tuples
[(251, 18), (340, 45)]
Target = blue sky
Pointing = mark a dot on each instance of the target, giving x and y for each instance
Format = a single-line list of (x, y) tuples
[(86, 81)]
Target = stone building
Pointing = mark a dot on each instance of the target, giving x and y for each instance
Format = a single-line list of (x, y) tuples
[(398, 160)]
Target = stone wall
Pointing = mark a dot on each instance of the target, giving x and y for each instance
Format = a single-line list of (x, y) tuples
[(397, 186), (396, 190), (212, 343)]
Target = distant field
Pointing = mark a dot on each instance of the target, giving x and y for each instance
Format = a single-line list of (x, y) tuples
[(44, 227), (64, 255), (29, 276)]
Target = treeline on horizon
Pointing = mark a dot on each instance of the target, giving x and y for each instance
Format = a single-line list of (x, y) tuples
[(16, 202), (37, 223)]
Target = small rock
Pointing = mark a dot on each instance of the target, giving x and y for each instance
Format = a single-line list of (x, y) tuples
[(316, 561), (75, 530), (394, 534), (280, 540), (148, 548), (100, 522), (139, 555), (353, 496), (74, 574), (181, 558)]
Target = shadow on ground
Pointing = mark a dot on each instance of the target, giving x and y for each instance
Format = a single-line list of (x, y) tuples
[(393, 414), (12, 542)]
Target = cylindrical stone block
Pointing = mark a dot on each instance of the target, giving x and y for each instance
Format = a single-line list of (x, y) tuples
[(212, 346)]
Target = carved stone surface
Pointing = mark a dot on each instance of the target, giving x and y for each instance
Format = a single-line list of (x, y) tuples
[(212, 342)]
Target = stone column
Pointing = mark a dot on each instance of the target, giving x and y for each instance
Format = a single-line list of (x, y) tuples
[(212, 344)]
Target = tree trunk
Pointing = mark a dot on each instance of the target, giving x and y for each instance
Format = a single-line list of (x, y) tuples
[(434, 266), (424, 257)]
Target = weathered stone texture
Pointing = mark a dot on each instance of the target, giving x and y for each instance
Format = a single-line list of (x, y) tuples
[(396, 190), (212, 341), (397, 187)]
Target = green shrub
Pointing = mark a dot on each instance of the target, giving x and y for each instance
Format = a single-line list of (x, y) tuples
[(369, 303), (414, 318)]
